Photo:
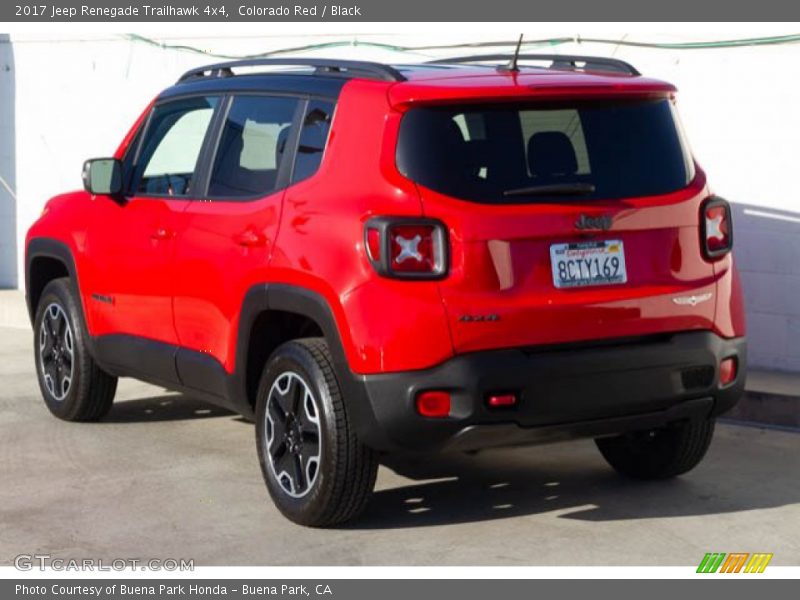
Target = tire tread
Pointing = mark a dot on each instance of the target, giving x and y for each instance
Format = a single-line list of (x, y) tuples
[(95, 388), (357, 463), (350, 473), (681, 448)]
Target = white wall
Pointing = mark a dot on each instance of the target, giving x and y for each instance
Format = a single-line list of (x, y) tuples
[(75, 98), (8, 242)]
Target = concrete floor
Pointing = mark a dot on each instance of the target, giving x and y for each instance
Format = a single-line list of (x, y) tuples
[(165, 476)]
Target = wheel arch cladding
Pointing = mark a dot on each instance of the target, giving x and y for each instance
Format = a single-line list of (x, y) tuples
[(276, 313), (46, 260)]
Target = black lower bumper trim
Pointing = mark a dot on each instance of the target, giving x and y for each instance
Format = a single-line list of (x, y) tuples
[(563, 392), (476, 437)]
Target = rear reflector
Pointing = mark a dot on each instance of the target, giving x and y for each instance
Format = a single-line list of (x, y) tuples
[(727, 371), (502, 400), (433, 403)]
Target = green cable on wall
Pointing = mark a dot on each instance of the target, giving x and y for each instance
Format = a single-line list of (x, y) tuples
[(734, 43)]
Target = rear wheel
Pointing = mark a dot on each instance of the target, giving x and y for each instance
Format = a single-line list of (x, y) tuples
[(74, 388), (316, 470), (660, 453)]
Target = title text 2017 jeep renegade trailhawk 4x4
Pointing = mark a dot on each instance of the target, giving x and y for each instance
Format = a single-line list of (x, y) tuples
[(366, 259)]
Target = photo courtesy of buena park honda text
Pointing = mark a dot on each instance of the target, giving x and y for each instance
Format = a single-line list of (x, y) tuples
[(449, 299)]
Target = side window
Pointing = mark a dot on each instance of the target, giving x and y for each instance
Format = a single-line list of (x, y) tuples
[(252, 146), (168, 156), (313, 137)]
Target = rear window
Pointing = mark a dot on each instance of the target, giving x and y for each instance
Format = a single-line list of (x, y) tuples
[(534, 153)]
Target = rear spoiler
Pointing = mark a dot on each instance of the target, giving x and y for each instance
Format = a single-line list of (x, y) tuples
[(514, 88)]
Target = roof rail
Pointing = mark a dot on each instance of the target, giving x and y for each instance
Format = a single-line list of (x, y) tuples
[(559, 61), (322, 66)]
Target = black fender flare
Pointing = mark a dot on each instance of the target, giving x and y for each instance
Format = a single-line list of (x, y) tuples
[(48, 248), (302, 301)]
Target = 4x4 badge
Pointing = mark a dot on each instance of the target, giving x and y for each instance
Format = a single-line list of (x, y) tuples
[(587, 222), (692, 300)]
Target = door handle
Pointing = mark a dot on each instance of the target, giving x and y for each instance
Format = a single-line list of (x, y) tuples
[(251, 239), (162, 234)]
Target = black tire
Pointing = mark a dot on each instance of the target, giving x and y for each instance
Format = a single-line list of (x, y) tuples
[(661, 453), (338, 488), (63, 353)]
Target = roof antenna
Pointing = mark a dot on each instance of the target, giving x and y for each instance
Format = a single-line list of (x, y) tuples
[(512, 65)]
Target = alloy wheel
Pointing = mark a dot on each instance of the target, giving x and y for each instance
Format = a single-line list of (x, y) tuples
[(293, 440), (56, 351)]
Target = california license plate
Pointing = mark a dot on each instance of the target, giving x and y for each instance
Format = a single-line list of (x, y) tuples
[(588, 263)]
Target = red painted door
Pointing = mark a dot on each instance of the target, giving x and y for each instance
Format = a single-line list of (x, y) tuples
[(132, 240), (229, 236)]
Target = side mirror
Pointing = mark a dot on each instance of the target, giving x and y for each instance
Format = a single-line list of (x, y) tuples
[(102, 176)]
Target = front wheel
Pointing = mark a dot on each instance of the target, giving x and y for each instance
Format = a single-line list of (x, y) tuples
[(660, 453), (74, 388), (316, 470)]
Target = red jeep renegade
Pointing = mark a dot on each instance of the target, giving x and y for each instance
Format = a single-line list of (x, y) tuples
[(365, 259)]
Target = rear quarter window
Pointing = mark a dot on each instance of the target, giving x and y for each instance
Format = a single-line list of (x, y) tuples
[(314, 132)]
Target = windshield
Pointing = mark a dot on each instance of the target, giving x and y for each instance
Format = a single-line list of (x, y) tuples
[(536, 153)]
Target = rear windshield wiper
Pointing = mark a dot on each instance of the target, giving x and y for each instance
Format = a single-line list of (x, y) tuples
[(555, 189)]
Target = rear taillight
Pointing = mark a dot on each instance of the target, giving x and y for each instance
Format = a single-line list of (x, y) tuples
[(717, 227), (407, 248)]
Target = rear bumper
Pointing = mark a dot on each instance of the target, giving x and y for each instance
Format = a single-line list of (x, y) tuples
[(566, 391)]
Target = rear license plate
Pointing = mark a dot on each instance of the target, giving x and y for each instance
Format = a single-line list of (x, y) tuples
[(588, 263)]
